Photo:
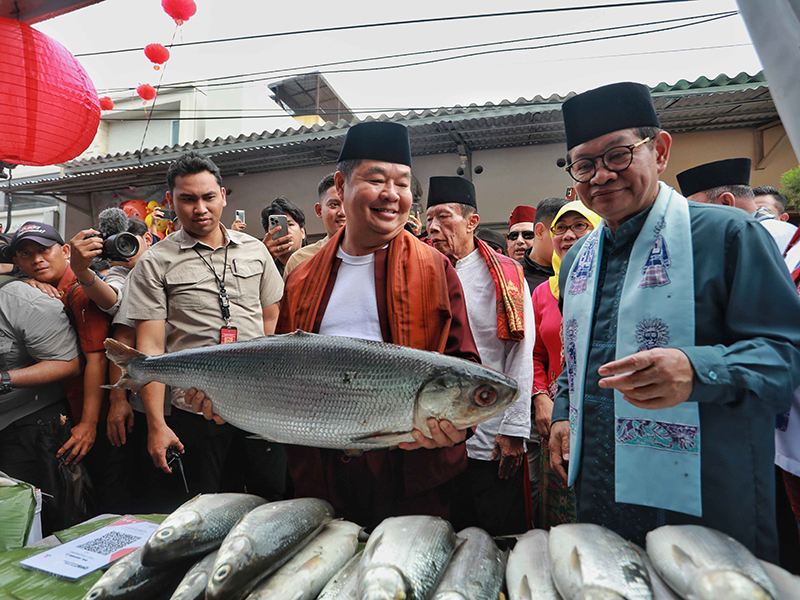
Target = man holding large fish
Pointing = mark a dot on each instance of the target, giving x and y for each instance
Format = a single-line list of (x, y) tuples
[(665, 410), (375, 281)]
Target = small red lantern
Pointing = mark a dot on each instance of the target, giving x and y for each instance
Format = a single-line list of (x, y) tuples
[(146, 92), (180, 10), (157, 54), (106, 103), (49, 106)]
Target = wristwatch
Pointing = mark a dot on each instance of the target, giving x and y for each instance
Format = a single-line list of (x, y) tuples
[(5, 383)]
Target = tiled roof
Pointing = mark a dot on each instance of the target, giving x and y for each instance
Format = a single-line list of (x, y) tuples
[(700, 105)]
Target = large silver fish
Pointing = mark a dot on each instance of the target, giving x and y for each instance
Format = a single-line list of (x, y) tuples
[(307, 572), (263, 540), (196, 527), (704, 564), (404, 558), (194, 583), (325, 391), (128, 579), (475, 571), (590, 561), (786, 584), (661, 590), (343, 585), (528, 569)]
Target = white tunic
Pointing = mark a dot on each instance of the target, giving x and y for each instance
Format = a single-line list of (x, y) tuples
[(515, 359)]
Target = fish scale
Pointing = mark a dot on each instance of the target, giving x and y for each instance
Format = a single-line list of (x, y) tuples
[(325, 391)]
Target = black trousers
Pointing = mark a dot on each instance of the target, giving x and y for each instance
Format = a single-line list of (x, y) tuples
[(497, 505), (222, 458)]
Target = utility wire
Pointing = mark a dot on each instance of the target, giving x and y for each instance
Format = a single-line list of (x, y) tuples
[(439, 50), (394, 23), (418, 109)]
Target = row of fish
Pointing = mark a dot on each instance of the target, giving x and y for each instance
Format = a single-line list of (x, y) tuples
[(326, 391), (239, 547), (689, 562)]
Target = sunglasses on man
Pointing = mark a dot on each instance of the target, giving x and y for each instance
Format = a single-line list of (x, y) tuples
[(526, 235)]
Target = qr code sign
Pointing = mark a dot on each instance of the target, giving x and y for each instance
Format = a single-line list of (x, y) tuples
[(109, 543)]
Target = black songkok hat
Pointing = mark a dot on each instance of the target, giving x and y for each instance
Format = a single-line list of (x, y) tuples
[(377, 140), (444, 190), (731, 171), (605, 109)]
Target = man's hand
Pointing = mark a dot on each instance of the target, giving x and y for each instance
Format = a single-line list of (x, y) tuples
[(202, 404), (43, 287), (415, 223), (559, 448), (238, 225), (158, 440), (79, 443), (280, 246), (120, 418), (543, 411), (83, 252), (652, 379), (443, 435), (511, 452)]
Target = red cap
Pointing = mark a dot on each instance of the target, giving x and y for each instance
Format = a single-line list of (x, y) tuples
[(521, 214)]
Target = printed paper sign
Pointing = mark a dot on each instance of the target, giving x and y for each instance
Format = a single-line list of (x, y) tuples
[(94, 550)]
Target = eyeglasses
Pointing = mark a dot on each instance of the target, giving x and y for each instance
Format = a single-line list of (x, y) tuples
[(579, 228), (615, 159), (526, 235)]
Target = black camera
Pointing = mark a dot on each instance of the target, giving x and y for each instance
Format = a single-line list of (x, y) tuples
[(118, 244), (119, 247)]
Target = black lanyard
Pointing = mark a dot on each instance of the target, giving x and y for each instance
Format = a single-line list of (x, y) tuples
[(224, 302)]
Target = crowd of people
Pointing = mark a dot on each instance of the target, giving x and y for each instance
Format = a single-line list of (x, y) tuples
[(655, 339)]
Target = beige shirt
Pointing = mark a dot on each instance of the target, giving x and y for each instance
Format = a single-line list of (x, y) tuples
[(303, 254), (171, 282)]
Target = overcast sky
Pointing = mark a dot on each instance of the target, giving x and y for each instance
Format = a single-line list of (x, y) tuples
[(653, 58)]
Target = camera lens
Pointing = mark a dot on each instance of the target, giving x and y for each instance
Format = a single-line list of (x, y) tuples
[(121, 246)]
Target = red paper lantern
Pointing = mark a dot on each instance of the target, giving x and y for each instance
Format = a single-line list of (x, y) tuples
[(180, 10), (49, 110), (146, 92), (157, 54), (106, 103)]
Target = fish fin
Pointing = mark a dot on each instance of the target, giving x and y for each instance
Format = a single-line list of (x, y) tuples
[(575, 563), (524, 589), (122, 355), (384, 438), (311, 563), (682, 559), (255, 436)]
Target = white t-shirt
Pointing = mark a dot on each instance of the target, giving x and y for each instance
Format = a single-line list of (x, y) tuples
[(352, 310)]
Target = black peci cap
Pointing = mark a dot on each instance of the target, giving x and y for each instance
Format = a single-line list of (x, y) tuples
[(444, 190), (377, 140), (605, 109), (731, 171)]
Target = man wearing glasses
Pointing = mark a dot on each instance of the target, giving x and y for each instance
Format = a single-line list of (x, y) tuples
[(665, 409), (520, 231)]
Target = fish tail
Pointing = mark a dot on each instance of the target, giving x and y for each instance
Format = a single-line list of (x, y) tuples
[(122, 356)]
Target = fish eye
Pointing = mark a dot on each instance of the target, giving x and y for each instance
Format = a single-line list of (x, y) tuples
[(484, 395)]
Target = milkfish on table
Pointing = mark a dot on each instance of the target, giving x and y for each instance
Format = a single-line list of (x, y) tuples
[(528, 568), (326, 391), (590, 561), (700, 563), (475, 571)]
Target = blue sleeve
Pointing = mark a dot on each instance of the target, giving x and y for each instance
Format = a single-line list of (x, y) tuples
[(760, 358)]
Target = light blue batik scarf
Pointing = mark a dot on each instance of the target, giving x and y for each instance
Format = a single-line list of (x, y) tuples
[(657, 452)]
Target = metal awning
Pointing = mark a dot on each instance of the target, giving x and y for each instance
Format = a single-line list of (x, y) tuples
[(702, 105), (34, 11)]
